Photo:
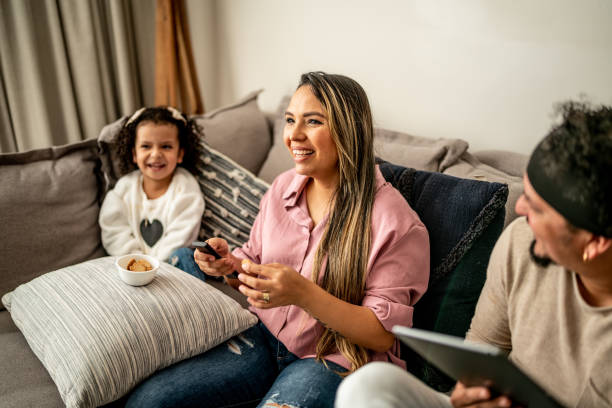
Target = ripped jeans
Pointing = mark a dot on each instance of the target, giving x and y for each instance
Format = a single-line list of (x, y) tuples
[(182, 258), (251, 369)]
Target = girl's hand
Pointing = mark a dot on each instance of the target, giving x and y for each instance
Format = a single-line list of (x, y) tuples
[(211, 266), (477, 397), (272, 285)]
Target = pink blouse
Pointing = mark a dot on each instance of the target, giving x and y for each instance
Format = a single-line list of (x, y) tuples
[(398, 265)]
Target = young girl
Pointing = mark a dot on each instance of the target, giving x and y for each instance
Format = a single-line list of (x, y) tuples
[(158, 207)]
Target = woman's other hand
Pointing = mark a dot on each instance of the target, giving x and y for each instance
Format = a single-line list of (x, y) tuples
[(215, 267), (272, 285)]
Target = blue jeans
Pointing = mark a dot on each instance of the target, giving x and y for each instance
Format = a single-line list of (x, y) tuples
[(250, 369), (182, 258)]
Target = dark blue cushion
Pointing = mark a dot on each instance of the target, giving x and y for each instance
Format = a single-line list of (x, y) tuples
[(464, 219)]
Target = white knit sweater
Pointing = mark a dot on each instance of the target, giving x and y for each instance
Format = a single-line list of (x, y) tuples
[(131, 223)]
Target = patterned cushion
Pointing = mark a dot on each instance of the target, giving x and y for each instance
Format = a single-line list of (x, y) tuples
[(98, 337), (232, 196)]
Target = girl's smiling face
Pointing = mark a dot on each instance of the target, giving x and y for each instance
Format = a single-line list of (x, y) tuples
[(157, 152)]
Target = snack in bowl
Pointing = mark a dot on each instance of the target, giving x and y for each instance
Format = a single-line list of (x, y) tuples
[(140, 265), (137, 269)]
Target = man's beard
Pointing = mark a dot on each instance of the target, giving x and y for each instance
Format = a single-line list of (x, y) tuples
[(542, 261)]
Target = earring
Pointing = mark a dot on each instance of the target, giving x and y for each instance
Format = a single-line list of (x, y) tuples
[(585, 256)]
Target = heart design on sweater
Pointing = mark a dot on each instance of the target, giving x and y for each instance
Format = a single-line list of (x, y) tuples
[(151, 231)]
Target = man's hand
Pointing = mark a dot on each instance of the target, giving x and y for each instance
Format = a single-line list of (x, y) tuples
[(477, 397)]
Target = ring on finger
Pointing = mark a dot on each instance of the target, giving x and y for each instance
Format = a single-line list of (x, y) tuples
[(266, 297)]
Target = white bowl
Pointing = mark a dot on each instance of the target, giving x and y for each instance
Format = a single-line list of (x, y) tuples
[(136, 278)]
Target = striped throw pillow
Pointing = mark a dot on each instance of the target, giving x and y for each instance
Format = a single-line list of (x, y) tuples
[(232, 195), (98, 337)]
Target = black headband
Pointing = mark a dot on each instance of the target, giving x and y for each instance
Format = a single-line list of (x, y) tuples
[(554, 184)]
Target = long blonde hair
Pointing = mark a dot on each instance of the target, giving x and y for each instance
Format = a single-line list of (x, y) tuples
[(347, 237)]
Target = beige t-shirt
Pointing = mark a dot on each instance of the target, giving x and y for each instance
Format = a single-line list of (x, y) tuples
[(539, 316)]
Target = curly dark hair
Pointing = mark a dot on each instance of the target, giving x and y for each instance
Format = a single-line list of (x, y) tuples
[(189, 132), (577, 154)]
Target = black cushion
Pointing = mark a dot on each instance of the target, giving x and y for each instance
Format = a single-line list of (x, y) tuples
[(464, 219)]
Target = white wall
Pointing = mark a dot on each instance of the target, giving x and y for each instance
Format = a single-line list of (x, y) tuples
[(487, 71)]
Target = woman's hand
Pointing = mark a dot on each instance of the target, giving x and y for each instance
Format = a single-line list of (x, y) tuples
[(272, 285), (477, 397), (215, 267), (279, 285)]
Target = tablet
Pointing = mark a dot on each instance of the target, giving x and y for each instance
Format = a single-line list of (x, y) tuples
[(476, 364)]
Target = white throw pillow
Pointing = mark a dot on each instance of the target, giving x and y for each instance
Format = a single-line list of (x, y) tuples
[(98, 337)]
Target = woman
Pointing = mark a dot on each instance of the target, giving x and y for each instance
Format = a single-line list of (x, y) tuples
[(335, 258)]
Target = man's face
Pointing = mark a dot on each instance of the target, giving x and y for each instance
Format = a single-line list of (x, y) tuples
[(554, 241)]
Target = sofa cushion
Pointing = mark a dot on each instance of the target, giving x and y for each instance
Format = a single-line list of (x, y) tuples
[(511, 163), (464, 218), (448, 306), (98, 337), (468, 166), (232, 196), (49, 204), (417, 152), (239, 130)]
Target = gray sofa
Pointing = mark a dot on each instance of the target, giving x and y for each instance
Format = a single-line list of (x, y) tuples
[(50, 198)]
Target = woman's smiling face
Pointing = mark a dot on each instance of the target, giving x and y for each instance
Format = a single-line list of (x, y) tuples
[(307, 136)]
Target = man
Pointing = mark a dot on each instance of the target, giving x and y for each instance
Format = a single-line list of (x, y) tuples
[(548, 295)]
